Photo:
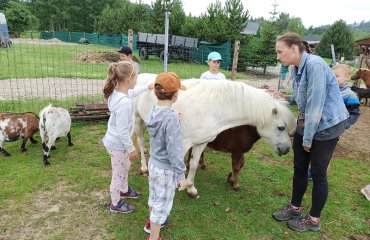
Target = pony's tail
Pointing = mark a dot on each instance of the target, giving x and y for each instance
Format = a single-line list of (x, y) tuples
[(110, 83)]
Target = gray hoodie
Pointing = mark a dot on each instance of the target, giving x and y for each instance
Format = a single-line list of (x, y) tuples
[(121, 120), (166, 149)]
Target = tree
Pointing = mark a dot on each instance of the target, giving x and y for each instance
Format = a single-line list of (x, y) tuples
[(19, 17), (282, 22), (341, 36), (260, 50), (267, 48), (274, 12), (68, 15), (236, 18), (295, 25), (215, 21), (157, 17), (177, 17)]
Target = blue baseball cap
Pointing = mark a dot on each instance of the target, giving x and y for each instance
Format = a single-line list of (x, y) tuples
[(214, 56)]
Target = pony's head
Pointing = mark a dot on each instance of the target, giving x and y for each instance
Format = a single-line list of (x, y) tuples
[(278, 128)]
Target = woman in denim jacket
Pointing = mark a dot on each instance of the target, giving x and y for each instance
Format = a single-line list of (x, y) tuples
[(321, 119)]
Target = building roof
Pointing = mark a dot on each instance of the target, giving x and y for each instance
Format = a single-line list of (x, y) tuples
[(312, 40), (364, 41), (251, 28)]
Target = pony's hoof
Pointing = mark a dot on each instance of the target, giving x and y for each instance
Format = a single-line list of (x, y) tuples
[(236, 187), (144, 173), (203, 167), (70, 144), (193, 195), (23, 150)]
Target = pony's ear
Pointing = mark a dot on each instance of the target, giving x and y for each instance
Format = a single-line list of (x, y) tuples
[(274, 111)]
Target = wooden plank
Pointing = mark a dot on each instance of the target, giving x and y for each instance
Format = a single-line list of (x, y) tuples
[(92, 117)]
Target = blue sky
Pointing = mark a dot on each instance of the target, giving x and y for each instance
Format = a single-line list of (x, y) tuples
[(312, 12)]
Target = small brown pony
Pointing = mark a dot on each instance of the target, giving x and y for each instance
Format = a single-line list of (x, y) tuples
[(364, 74), (237, 141)]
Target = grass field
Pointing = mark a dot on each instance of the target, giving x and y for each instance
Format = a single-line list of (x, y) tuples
[(68, 199), (37, 59)]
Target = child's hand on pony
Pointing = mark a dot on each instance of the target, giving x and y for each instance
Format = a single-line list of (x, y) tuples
[(183, 184)]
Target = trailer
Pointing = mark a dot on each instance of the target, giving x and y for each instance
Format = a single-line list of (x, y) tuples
[(179, 47), (4, 33)]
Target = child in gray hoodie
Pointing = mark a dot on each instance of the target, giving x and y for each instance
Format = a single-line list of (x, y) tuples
[(166, 162), (119, 91)]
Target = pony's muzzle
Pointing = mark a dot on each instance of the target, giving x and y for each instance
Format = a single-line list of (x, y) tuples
[(283, 150)]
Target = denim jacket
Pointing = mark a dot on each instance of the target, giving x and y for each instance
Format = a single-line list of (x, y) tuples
[(318, 97)]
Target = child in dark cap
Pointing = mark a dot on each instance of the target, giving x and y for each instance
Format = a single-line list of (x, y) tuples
[(126, 55)]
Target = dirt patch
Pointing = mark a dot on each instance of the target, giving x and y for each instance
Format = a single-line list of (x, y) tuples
[(98, 57), (59, 213), (52, 41), (354, 142)]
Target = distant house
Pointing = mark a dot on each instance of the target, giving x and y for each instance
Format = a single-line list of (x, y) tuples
[(312, 41), (364, 44), (251, 28)]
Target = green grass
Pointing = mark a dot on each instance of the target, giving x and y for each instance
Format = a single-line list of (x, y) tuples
[(30, 34), (40, 60), (67, 200)]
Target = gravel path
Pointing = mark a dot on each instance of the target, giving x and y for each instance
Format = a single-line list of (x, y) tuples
[(49, 88), (61, 88)]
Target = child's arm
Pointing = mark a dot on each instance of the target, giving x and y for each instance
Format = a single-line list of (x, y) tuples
[(123, 123), (138, 90), (174, 146)]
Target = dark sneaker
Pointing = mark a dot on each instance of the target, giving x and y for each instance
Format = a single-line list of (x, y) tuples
[(148, 238), (122, 207), (303, 224), (147, 225), (286, 213), (131, 193)]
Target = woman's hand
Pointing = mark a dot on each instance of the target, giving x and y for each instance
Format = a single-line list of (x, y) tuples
[(307, 149)]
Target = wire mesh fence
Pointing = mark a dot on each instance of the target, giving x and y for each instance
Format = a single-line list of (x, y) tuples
[(35, 72)]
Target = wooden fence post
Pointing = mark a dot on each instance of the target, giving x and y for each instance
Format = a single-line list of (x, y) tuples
[(130, 37), (235, 59)]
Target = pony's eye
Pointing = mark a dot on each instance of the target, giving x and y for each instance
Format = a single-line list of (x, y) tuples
[(281, 128)]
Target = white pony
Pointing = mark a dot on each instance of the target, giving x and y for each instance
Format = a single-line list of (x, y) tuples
[(209, 107)]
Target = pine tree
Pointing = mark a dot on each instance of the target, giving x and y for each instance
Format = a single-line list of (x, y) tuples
[(341, 36)]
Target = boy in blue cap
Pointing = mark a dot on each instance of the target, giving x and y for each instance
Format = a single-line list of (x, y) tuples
[(214, 61)]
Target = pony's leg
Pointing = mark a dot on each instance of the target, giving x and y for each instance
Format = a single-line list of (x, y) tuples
[(139, 129), (237, 163), (202, 163), (69, 139), (194, 162)]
